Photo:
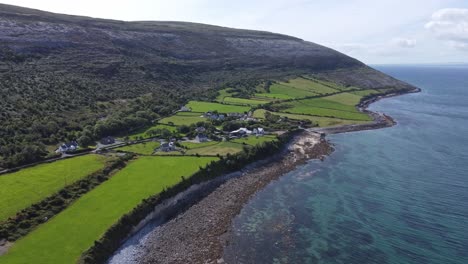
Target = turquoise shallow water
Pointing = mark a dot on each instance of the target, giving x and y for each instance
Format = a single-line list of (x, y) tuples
[(394, 195)]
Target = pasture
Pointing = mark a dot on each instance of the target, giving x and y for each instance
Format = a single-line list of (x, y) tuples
[(254, 140), (314, 86), (319, 120), (219, 148), (67, 235), (20, 189), (183, 118), (243, 101), (143, 133), (145, 148)]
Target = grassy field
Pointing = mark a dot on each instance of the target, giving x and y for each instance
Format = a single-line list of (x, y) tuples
[(194, 145), (305, 109), (183, 118), (365, 92), (221, 148), (20, 189), (142, 133), (198, 106), (290, 91), (253, 140), (344, 98), (145, 148), (222, 94), (274, 96), (63, 238), (320, 121), (243, 101), (340, 106), (313, 86)]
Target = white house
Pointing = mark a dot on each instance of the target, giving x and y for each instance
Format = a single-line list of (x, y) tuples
[(240, 132), (259, 131), (70, 146)]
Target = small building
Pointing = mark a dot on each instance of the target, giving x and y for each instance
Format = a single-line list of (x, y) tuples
[(240, 132), (65, 147), (235, 115), (200, 129), (167, 146), (185, 109), (201, 138), (107, 140), (259, 131)]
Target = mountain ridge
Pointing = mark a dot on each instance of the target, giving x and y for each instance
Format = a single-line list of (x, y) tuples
[(62, 75)]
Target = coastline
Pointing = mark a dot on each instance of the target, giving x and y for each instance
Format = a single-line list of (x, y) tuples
[(200, 234)]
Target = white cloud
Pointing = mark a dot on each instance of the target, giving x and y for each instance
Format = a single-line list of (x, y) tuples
[(450, 24), (404, 42)]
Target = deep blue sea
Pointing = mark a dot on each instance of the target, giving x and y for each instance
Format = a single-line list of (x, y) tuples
[(394, 195)]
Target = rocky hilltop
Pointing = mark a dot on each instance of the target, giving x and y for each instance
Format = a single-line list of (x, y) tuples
[(60, 74)]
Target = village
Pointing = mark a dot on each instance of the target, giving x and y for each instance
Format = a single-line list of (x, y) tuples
[(200, 132)]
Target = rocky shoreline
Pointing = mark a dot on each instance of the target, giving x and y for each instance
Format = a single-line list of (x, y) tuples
[(199, 234)]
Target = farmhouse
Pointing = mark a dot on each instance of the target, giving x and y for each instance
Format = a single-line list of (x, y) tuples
[(240, 132), (201, 138), (259, 131), (70, 146), (214, 116), (166, 147)]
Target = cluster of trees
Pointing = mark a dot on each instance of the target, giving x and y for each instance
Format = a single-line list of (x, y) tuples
[(38, 111)]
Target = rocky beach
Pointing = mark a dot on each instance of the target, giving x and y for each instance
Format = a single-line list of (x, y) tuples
[(199, 234)]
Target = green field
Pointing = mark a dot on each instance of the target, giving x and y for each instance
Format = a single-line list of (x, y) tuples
[(194, 145), (305, 109), (365, 92), (344, 98), (253, 140), (145, 148), (20, 189), (198, 106), (222, 94), (143, 132), (66, 236), (183, 118), (320, 121), (337, 106), (243, 101), (290, 91), (274, 96), (309, 85), (221, 148)]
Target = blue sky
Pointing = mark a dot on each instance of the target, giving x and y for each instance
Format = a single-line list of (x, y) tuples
[(376, 32)]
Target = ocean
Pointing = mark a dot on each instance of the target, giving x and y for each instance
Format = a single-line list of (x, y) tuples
[(393, 195)]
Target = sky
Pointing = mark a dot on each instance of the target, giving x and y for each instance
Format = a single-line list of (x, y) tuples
[(375, 32)]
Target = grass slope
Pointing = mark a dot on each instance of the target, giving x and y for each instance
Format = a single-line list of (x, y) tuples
[(198, 106), (221, 148), (145, 148), (63, 238), (320, 121), (243, 101), (253, 140), (183, 118), (143, 132), (310, 85), (20, 189)]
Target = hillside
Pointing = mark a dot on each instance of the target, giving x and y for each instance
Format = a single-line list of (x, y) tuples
[(68, 77)]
